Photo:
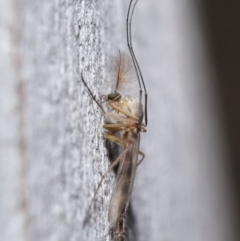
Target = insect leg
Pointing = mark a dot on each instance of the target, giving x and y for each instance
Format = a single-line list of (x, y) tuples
[(136, 65), (117, 126), (143, 156), (119, 141), (115, 107)]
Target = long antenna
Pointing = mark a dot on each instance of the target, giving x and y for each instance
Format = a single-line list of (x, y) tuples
[(135, 62)]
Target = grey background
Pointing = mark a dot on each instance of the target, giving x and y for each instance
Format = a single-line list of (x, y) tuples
[(52, 151)]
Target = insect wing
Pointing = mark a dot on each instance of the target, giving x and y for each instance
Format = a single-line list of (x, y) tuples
[(125, 179)]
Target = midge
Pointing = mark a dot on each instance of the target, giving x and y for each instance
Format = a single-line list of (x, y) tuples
[(124, 123)]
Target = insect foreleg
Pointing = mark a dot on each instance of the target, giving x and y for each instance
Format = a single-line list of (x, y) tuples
[(120, 110)]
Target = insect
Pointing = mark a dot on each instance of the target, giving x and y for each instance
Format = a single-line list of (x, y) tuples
[(124, 123)]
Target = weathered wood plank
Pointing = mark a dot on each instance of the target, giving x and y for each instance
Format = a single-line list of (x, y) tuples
[(52, 150)]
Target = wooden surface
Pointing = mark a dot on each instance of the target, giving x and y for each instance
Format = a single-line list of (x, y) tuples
[(52, 150)]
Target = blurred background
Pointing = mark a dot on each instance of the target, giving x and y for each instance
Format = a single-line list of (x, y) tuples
[(52, 155)]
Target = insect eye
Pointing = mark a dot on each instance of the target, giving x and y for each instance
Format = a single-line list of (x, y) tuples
[(114, 96)]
